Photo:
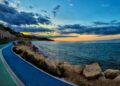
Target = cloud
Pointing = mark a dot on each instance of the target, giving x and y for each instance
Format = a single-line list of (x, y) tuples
[(71, 4), (34, 22), (100, 23), (10, 14), (30, 29), (112, 27), (112, 22), (55, 10), (14, 4), (35, 28)]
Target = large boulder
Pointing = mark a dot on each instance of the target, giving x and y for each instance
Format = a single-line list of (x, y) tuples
[(53, 67), (111, 74), (92, 70), (117, 78), (71, 69), (102, 77)]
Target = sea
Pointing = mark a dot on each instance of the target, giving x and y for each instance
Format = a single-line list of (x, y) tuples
[(105, 52)]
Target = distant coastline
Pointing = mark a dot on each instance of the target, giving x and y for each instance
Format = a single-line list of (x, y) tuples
[(7, 35), (83, 38)]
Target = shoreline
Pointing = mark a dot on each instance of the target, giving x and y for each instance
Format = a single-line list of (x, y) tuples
[(45, 71), (26, 72), (69, 72)]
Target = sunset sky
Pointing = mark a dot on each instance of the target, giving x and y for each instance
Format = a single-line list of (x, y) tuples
[(86, 19)]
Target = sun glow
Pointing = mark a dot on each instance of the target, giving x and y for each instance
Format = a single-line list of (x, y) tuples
[(87, 38)]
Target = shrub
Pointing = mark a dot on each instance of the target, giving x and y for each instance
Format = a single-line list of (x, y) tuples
[(25, 54), (14, 49), (35, 49), (42, 64), (19, 51), (30, 58)]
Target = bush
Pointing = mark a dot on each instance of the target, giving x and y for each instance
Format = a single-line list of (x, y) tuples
[(25, 54), (42, 64), (19, 51), (35, 49), (30, 58), (14, 49)]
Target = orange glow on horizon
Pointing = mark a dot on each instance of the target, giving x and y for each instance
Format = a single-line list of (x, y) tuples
[(87, 38)]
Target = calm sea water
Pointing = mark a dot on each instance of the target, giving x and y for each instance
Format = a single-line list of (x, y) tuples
[(106, 53)]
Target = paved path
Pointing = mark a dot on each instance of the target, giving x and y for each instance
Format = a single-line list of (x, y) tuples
[(5, 77), (28, 74)]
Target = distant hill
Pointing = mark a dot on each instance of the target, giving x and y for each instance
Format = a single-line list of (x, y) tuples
[(7, 34)]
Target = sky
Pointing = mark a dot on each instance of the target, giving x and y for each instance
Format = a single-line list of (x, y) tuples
[(72, 11), (62, 17), (76, 11)]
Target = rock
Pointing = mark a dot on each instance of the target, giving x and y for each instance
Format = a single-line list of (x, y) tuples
[(68, 70), (102, 77), (52, 67), (117, 78), (92, 70), (111, 74), (78, 69)]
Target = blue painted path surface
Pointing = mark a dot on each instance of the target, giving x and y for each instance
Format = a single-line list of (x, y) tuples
[(28, 74)]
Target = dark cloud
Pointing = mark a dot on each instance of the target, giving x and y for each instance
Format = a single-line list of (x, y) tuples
[(100, 23), (57, 7), (76, 28), (31, 7), (55, 10), (44, 11), (6, 2), (12, 16), (30, 29), (113, 22), (102, 30)]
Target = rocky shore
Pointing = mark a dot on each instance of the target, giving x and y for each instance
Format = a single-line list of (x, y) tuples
[(85, 75)]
